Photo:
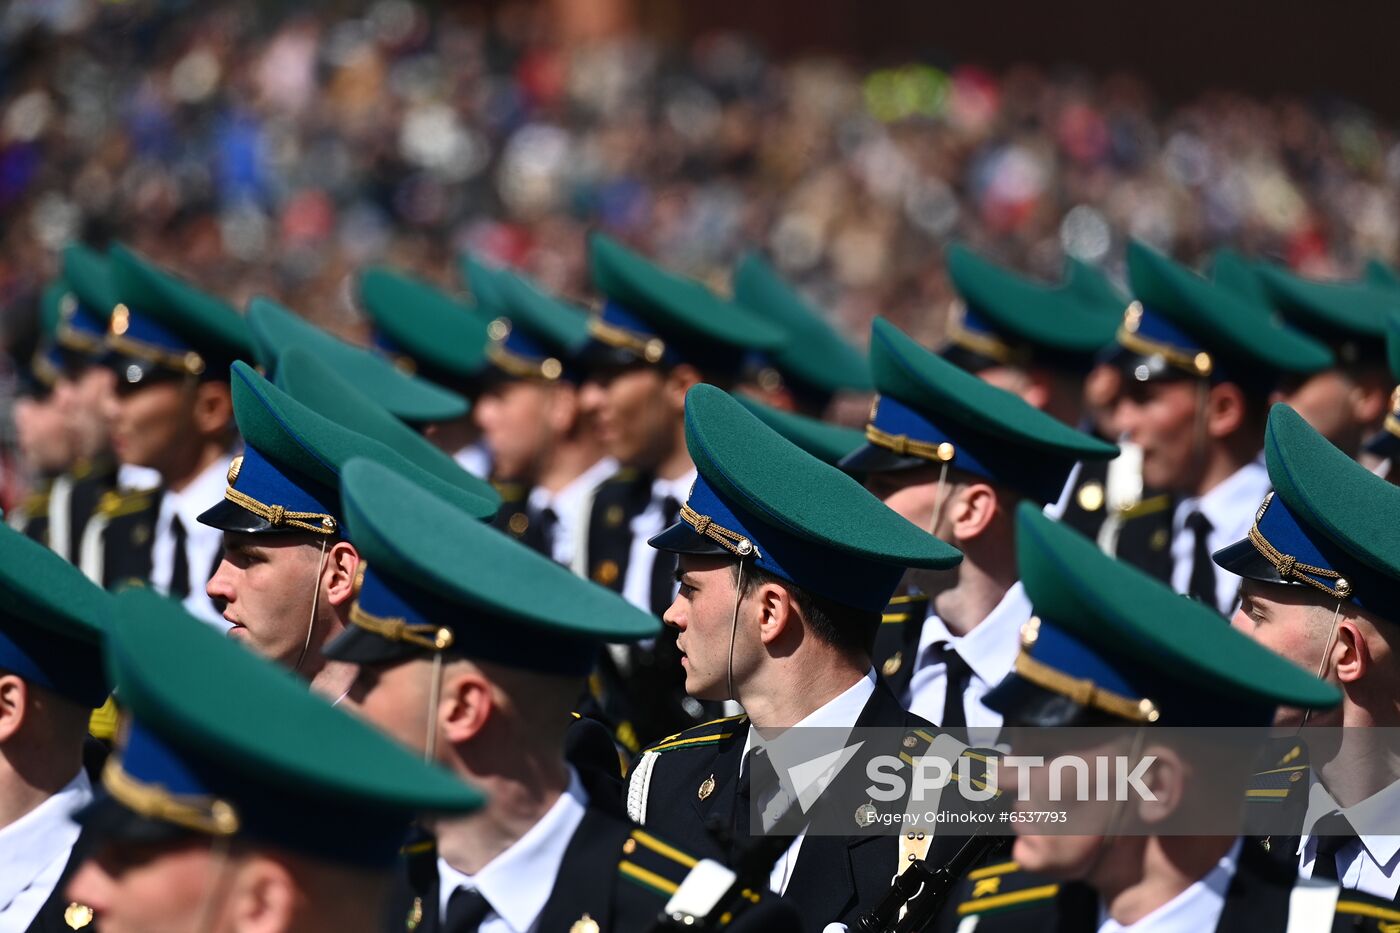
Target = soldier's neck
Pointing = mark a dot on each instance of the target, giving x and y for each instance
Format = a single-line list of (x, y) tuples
[(30, 776), (1139, 874), (180, 475), (1222, 460), (797, 685), (985, 575), (1361, 765), (570, 459), (518, 796)]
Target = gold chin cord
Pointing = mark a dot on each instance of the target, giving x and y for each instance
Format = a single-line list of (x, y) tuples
[(434, 689), (220, 881), (940, 493), (733, 631), (1326, 653), (1115, 818), (315, 602)]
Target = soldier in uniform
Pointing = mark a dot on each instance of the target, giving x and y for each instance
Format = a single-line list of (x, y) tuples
[(953, 454), (546, 457), (1040, 342), (415, 401), (433, 335), (1384, 445), (272, 811), (1322, 588), (44, 441), (1111, 646), (1198, 363), (51, 678), (171, 346), (814, 363), (784, 565), (494, 641), (288, 573), (656, 335)]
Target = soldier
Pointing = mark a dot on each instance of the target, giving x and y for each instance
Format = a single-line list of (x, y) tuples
[(546, 458), (288, 573), (51, 678), (1322, 588), (171, 346), (492, 642), (1198, 364), (44, 442), (269, 810), (814, 363), (953, 454), (1040, 342), (1384, 445), (656, 336), (784, 565), (431, 334), (1111, 646), (415, 401)]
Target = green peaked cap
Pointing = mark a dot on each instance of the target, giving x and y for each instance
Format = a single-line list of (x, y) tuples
[(208, 325), (1094, 288), (309, 380), (827, 442), (89, 275), (445, 338), (438, 580), (1386, 441), (1380, 274), (558, 324), (53, 620), (1348, 316), (287, 770), (931, 411), (1148, 654), (1331, 525), (1205, 329), (534, 335), (813, 354), (1011, 319), (663, 318), (759, 496), (1392, 344), (1231, 270), (276, 328), (289, 476), (482, 279)]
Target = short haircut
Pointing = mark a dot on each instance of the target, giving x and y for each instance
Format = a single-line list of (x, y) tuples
[(851, 631)]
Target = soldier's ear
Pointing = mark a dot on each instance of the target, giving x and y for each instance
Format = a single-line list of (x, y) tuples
[(1166, 779), (263, 897), (343, 564), (14, 705), (467, 702), (213, 408)]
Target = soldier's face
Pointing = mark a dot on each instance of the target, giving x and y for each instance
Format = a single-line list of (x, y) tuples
[(394, 698), (914, 494), (45, 442), (703, 613), (267, 586), (518, 424), (1288, 621), (152, 424), (85, 399), (1327, 401), (633, 414), (147, 888), (1161, 418)]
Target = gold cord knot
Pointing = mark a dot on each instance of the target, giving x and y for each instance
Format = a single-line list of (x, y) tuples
[(702, 523), (276, 515)]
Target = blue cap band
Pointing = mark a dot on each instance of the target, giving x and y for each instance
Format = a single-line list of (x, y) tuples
[(64, 665)]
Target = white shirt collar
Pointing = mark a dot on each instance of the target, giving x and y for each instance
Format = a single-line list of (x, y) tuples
[(517, 883), (572, 495), (1194, 909), (1231, 504), (990, 647), (1381, 809), (44, 834), (205, 491), (678, 488)]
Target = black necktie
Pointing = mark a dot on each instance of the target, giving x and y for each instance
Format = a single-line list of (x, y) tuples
[(1331, 832), (539, 533), (958, 676), (466, 908), (1201, 586), (759, 781), (180, 567), (663, 568)]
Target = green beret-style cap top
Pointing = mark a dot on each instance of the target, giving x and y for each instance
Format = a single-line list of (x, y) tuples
[(813, 355), (276, 329), (279, 767), (444, 338)]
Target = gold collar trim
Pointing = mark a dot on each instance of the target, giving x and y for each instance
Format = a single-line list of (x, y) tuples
[(1289, 567), (209, 815), (392, 628), (647, 347), (1197, 364), (731, 541), (190, 363)]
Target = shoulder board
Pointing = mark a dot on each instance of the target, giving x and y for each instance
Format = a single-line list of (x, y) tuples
[(917, 741), (704, 734), (1149, 506), (510, 492), (654, 864), (1277, 783), (904, 609), (36, 505), (1004, 887), (116, 503), (1388, 918), (624, 475)]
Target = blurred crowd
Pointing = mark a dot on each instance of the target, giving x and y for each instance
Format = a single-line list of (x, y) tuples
[(259, 149)]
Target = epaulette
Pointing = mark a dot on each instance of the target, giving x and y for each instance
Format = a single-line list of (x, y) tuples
[(707, 733), (116, 503), (916, 742), (1149, 506), (35, 505), (624, 475), (1387, 918), (904, 608), (1004, 887), (653, 864), (510, 492), (1276, 783)]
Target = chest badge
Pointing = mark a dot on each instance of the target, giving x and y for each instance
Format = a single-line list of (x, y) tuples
[(415, 915), (707, 787), (584, 924), (892, 664), (77, 916)]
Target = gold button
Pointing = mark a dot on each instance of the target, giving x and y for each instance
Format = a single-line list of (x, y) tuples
[(629, 847), (892, 664), (1090, 496), (614, 516), (606, 573), (518, 523)]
